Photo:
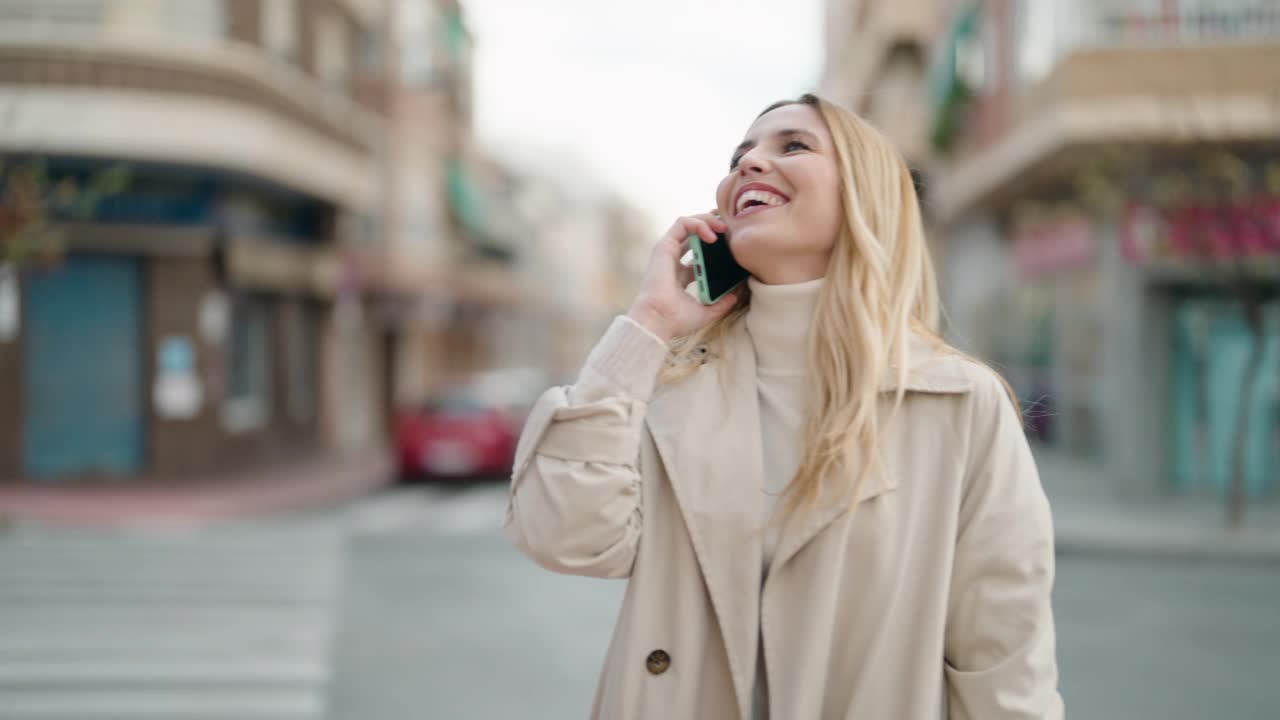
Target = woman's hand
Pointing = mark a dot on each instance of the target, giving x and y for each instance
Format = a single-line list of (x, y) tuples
[(662, 305)]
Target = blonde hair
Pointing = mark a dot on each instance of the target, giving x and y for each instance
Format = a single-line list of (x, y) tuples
[(880, 290)]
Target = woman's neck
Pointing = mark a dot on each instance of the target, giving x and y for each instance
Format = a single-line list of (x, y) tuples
[(794, 269), (778, 320)]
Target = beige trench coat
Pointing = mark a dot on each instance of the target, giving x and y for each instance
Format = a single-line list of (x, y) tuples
[(931, 600)]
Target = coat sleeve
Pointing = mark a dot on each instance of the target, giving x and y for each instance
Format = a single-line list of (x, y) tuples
[(574, 503), (1000, 644)]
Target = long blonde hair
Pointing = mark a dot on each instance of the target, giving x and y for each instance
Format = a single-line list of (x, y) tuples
[(880, 290)]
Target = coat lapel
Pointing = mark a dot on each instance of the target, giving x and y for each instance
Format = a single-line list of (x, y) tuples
[(798, 531), (929, 372), (707, 431)]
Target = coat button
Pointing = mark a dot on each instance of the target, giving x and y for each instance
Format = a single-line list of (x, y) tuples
[(658, 662)]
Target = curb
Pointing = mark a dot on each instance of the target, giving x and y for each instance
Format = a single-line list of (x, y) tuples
[(310, 484), (1217, 546)]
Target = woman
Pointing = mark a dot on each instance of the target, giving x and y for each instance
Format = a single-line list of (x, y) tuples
[(823, 510)]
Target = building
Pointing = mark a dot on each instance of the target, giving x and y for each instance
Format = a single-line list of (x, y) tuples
[(585, 252), (207, 297), (876, 61), (1104, 183), (447, 265)]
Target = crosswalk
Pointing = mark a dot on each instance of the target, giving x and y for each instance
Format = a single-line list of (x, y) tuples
[(234, 622), (431, 511)]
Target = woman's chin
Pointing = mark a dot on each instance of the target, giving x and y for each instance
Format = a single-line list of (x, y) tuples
[(753, 242), (751, 257)]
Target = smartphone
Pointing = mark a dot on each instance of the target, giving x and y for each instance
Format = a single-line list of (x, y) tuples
[(716, 270)]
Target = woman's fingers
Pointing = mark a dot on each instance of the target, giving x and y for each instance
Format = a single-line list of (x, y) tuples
[(705, 226), (672, 243), (685, 274), (721, 307), (664, 303), (715, 222), (700, 227)]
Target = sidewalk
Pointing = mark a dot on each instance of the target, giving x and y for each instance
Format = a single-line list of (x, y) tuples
[(1089, 519), (314, 482)]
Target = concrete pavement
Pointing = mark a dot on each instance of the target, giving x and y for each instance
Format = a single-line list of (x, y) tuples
[(409, 603), (1090, 519), (227, 623), (445, 620)]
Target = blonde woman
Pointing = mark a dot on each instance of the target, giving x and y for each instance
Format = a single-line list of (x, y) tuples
[(822, 510)]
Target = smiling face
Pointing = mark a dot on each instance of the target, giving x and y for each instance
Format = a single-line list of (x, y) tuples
[(781, 198)]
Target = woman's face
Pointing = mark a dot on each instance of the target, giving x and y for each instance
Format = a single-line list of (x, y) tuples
[(781, 198)]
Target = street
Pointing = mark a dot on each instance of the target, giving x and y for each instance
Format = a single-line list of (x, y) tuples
[(1163, 639), (228, 623), (444, 619), (409, 604), (259, 257)]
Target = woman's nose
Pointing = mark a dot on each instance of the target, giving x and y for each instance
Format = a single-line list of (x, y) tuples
[(752, 163)]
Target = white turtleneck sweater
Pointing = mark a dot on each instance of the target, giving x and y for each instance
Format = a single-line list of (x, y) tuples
[(778, 322)]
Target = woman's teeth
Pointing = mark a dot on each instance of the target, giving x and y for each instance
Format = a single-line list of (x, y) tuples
[(759, 197)]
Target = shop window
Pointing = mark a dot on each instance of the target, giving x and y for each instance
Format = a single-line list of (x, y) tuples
[(1023, 348), (302, 351), (1212, 344), (249, 382)]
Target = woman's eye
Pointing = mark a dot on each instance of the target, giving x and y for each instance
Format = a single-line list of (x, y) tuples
[(790, 147)]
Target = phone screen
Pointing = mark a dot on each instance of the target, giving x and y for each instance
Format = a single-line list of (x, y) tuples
[(722, 273)]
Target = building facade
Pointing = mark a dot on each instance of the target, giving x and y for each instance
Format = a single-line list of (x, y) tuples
[(199, 296), (876, 61), (1104, 186)]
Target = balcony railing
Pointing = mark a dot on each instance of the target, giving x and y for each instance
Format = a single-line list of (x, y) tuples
[(178, 39), (1180, 21), (189, 19), (1047, 30)]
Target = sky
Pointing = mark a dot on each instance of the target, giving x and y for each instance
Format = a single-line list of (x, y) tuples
[(648, 98)]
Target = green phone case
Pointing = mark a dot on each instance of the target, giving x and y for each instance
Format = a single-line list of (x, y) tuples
[(700, 271), (728, 273)]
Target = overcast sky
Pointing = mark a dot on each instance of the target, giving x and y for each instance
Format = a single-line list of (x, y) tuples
[(652, 96)]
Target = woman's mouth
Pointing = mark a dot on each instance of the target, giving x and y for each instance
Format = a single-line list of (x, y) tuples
[(757, 197)]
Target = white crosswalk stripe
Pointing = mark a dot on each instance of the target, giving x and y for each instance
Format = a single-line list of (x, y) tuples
[(223, 623), (437, 510)]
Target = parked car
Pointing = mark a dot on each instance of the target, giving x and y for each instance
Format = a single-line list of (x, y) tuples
[(469, 430)]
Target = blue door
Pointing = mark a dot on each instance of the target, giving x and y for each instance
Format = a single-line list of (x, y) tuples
[(83, 365), (1211, 350)]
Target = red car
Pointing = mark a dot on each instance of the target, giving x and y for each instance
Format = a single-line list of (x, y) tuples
[(469, 431)]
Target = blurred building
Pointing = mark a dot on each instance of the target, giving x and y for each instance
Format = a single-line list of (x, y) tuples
[(1104, 181), (264, 274), (877, 57), (587, 250), (450, 244)]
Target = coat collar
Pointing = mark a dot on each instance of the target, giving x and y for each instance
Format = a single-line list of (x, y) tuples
[(716, 472)]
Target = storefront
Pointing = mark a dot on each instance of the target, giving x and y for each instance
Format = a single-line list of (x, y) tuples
[(1047, 331), (175, 332), (1214, 267), (83, 408), (1128, 346)]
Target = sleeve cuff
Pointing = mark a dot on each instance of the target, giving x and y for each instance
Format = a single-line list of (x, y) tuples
[(628, 358)]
